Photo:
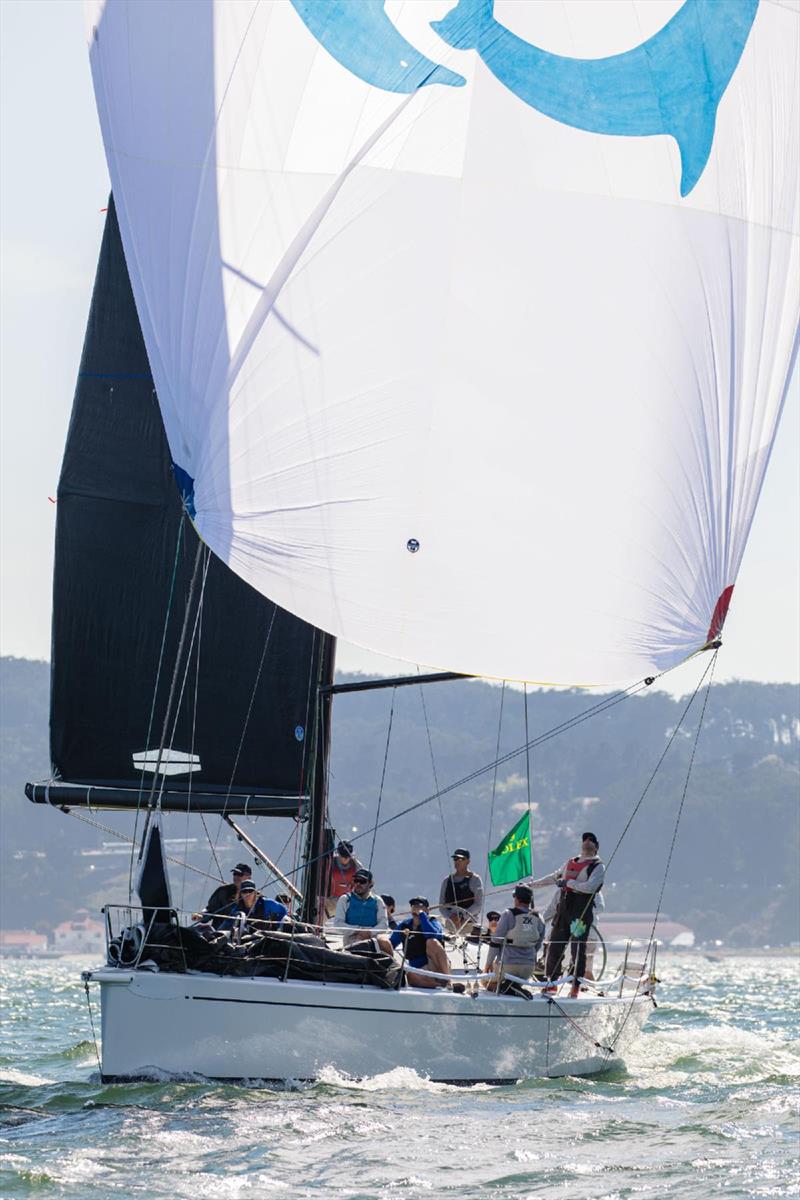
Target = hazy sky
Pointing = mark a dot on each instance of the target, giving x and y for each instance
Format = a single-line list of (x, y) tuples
[(53, 185)]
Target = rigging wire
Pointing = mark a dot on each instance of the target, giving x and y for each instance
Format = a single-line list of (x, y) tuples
[(710, 672), (494, 790), (179, 705), (608, 702), (155, 688), (435, 773), (528, 778), (173, 684), (194, 730), (126, 837), (213, 844), (383, 777), (709, 668)]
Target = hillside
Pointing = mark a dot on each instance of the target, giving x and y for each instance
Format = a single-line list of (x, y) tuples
[(734, 872)]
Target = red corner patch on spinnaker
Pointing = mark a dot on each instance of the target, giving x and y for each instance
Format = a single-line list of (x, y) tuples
[(720, 613)]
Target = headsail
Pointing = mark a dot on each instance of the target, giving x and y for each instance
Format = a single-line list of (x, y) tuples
[(241, 739), (480, 376)]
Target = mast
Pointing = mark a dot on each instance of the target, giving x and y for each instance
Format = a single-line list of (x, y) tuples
[(318, 809)]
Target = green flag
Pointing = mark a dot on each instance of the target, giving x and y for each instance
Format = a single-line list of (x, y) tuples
[(511, 860)]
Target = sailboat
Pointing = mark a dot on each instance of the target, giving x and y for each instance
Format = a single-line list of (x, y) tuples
[(410, 332)]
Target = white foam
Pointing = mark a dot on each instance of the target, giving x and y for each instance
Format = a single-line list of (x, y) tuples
[(23, 1078)]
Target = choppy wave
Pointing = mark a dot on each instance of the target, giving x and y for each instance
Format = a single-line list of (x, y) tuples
[(704, 1107)]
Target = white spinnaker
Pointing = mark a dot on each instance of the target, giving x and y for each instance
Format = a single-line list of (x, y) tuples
[(505, 338)]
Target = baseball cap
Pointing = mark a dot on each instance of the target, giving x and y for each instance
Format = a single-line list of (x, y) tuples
[(241, 869), (346, 847), (419, 900), (460, 852), (362, 874), (248, 886)]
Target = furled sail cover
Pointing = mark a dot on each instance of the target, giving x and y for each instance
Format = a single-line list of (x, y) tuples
[(240, 724), (471, 323)]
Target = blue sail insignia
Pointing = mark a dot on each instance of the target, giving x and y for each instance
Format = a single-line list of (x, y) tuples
[(360, 36), (186, 488), (672, 83)]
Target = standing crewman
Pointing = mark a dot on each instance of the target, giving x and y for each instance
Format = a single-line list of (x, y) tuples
[(516, 939), (461, 894), (341, 874), (579, 881)]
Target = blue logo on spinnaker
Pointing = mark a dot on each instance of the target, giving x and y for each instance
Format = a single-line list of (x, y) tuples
[(672, 83), (360, 36)]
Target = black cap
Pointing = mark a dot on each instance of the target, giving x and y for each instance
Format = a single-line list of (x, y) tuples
[(363, 873), (388, 901), (284, 898), (493, 916), (523, 893), (423, 903), (241, 868), (248, 886), (590, 837), (346, 847), (460, 852)]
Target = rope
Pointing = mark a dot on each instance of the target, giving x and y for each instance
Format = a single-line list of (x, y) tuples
[(383, 778), (91, 1023)]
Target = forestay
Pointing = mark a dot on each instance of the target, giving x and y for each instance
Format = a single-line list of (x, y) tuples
[(471, 326)]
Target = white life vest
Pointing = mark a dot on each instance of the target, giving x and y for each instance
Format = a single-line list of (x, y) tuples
[(527, 929)]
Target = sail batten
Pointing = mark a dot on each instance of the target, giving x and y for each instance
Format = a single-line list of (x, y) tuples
[(536, 315)]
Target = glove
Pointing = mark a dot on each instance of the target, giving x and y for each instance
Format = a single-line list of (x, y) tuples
[(562, 883)]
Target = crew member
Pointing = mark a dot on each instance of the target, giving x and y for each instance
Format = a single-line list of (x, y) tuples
[(390, 907), (579, 880), (516, 940), (424, 945), (252, 906), (340, 877), (363, 912), (221, 899), (461, 894)]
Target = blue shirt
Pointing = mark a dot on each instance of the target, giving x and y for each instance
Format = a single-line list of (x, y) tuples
[(262, 910), (429, 927)]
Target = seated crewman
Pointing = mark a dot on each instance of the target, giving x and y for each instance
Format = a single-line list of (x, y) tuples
[(361, 915), (252, 906), (424, 949)]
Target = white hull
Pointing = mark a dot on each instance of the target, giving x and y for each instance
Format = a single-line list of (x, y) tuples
[(269, 1029)]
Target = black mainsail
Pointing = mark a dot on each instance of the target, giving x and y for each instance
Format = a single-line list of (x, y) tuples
[(245, 734)]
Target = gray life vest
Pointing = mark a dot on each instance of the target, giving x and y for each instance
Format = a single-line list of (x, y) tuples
[(527, 929)]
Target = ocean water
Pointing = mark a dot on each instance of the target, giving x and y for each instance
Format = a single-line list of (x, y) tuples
[(707, 1106)]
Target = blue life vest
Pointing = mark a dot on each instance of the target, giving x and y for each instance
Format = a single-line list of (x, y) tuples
[(362, 912)]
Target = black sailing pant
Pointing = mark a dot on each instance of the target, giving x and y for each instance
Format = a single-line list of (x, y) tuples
[(573, 905)]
